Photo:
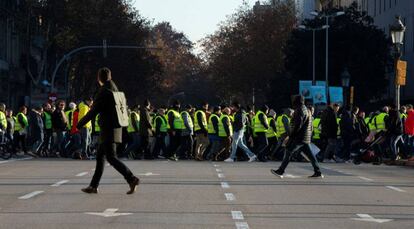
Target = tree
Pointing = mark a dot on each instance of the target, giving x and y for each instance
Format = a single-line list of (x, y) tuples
[(246, 54), (355, 43)]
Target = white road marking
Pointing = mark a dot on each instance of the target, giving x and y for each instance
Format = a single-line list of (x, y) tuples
[(368, 218), (237, 215), (220, 175), (148, 174), (219, 170), (30, 195), (290, 176), (59, 183), (395, 189), (81, 174), (12, 160), (216, 165), (366, 179), (225, 185), (242, 225), (110, 212), (230, 196)]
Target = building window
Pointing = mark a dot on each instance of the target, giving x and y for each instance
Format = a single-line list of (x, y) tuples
[(380, 7), (390, 4), (375, 8), (385, 5)]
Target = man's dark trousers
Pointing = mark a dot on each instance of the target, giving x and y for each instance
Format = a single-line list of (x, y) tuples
[(108, 150), (292, 149)]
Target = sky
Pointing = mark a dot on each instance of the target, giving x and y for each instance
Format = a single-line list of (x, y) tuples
[(195, 18)]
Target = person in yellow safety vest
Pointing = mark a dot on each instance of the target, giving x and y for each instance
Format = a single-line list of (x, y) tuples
[(85, 131), (69, 114), (161, 128), (261, 125), (3, 121), (21, 128), (213, 130), (379, 120), (283, 131), (338, 121), (225, 133), (174, 128), (271, 135), (133, 133), (47, 122), (186, 125), (403, 112), (369, 121), (316, 129), (201, 132)]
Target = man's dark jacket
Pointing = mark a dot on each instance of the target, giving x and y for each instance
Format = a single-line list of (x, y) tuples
[(329, 125), (145, 124), (58, 120), (301, 126), (107, 120)]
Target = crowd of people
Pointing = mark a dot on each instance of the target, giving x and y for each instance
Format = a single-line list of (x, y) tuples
[(222, 133)]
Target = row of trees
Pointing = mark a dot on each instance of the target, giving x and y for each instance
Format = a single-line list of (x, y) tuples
[(254, 52)]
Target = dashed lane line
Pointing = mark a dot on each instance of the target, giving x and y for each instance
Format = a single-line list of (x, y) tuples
[(81, 174), (237, 215), (366, 179), (219, 170), (395, 189), (30, 195), (225, 185), (242, 225), (230, 196), (220, 175), (59, 183)]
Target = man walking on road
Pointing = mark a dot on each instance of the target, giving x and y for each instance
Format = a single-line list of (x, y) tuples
[(300, 138), (240, 120), (110, 135)]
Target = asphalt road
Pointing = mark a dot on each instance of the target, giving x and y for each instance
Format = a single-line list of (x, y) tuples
[(46, 194)]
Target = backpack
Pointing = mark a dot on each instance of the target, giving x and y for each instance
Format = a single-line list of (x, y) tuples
[(121, 109)]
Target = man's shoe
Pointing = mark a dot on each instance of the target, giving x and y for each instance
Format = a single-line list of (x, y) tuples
[(90, 190), (133, 186), (277, 173), (316, 175), (229, 160), (254, 158)]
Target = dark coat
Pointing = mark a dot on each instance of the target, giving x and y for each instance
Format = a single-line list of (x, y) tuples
[(145, 124), (109, 133), (36, 127), (301, 126), (393, 123), (329, 125), (59, 120)]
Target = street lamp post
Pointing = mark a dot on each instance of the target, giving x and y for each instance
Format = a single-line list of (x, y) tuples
[(327, 17), (313, 48), (345, 78), (397, 31)]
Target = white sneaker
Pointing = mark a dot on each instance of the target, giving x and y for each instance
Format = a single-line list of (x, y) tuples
[(254, 158), (229, 160)]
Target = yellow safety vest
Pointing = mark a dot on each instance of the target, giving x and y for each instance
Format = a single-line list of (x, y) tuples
[(316, 128), (190, 121), (258, 126), (197, 126), (280, 127), (210, 127), (379, 121), (3, 119), (164, 126), (48, 121), (222, 131), (177, 120), (83, 110), (97, 127), (271, 133), (69, 116), (17, 125), (131, 128)]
